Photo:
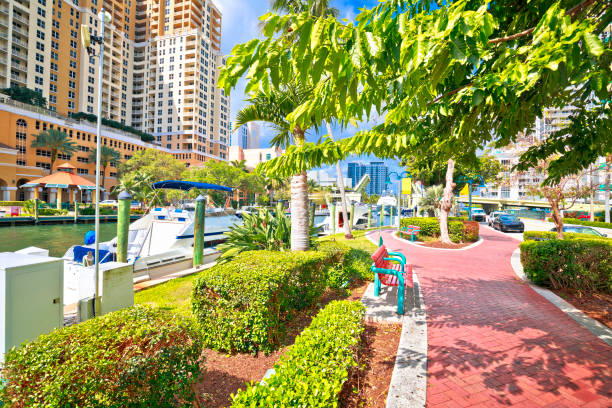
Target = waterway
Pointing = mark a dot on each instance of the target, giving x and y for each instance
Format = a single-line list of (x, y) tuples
[(57, 238)]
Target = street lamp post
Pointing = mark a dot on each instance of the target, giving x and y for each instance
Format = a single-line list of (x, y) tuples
[(399, 176), (87, 40), (470, 181)]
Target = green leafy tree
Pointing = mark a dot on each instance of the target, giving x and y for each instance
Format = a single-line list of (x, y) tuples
[(108, 155), (25, 95), (273, 108), (56, 141), (154, 163), (450, 79), (140, 186)]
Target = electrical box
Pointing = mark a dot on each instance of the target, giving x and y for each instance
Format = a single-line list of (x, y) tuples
[(31, 297)]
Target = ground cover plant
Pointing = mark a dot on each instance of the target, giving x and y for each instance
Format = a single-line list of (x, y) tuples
[(135, 357), (315, 368), (576, 262)]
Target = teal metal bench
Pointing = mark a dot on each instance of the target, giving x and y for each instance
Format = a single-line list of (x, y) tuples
[(390, 269)]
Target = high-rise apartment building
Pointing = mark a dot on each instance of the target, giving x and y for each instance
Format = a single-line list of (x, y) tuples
[(161, 60), (377, 171), (246, 136)]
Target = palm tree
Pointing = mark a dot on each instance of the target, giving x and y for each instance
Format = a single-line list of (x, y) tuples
[(318, 8), (56, 141), (431, 200), (108, 155), (239, 164), (138, 185), (273, 107)]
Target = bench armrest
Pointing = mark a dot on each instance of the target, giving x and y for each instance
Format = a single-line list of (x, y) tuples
[(398, 254)]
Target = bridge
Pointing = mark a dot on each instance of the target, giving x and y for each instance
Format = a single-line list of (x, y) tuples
[(494, 204)]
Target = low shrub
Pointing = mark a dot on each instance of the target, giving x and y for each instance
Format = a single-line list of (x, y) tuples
[(12, 203), (316, 367), (471, 231), (583, 264), (430, 227), (135, 357), (242, 305), (589, 223), (92, 211), (544, 235), (346, 264)]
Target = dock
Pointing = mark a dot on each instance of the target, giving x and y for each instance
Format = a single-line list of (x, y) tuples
[(62, 219)]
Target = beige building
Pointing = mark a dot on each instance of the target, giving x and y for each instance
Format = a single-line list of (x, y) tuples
[(253, 157), (161, 60)]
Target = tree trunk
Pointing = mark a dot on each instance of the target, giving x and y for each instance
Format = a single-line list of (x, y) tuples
[(446, 202), (300, 230), (556, 217), (592, 194), (607, 189), (347, 225)]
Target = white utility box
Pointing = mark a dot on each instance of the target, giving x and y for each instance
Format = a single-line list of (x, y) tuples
[(31, 297)]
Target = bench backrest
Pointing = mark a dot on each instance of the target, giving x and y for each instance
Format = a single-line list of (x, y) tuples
[(379, 255)]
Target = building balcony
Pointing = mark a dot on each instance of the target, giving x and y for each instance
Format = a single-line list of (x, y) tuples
[(21, 19)]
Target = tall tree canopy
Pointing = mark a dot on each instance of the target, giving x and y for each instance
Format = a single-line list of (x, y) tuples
[(447, 78), (159, 165)]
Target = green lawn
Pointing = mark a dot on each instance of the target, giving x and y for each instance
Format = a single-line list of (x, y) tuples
[(175, 295)]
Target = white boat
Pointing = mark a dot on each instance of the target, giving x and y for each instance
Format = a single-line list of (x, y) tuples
[(387, 201), (160, 243), (360, 218)]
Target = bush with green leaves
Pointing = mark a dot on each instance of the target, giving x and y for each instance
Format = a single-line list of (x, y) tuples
[(135, 357), (263, 230), (346, 264), (576, 221), (92, 210), (544, 235), (471, 231), (243, 305), (583, 264), (315, 368), (12, 203), (430, 227)]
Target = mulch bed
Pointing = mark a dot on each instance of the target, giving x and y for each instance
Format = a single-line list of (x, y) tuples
[(226, 374), (597, 306), (369, 387), (438, 244)]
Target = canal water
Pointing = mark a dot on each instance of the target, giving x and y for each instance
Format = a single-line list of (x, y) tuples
[(57, 238)]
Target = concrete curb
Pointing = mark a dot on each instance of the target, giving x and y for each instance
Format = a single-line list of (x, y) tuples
[(592, 325), (474, 245), (408, 386)]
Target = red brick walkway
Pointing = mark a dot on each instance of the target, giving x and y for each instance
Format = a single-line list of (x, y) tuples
[(493, 341)]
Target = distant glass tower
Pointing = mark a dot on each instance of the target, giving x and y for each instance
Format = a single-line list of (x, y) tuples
[(378, 176), (356, 172)]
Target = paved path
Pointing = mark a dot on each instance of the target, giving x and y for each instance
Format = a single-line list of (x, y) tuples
[(493, 341)]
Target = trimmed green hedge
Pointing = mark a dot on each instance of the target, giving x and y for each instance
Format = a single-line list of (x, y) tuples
[(430, 227), (544, 235), (584, 264), (345, 264), (12, 203), (242, 305), (589, 223), (315, 368), (135, 357)]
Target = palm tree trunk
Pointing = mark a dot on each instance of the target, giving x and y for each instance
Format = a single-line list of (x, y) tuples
[(347, 225), (300, 230), (446, 203)]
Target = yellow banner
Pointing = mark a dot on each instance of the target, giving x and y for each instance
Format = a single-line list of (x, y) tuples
[(407, 186), (465, 191)]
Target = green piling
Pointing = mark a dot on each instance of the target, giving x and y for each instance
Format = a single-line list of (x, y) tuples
[(76, 211), (36, 210), (382, 215), (279, 209), (312, 214), (332, 214), (370, 217), (352, 216), (123, 225), (198, 232)]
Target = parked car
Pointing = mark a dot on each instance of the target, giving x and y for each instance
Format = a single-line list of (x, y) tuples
[(581, 230), (508, 223), (478, 214), (491, 216)]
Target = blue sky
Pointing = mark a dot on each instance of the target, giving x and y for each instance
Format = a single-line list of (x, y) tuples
[(240, 24)]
